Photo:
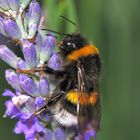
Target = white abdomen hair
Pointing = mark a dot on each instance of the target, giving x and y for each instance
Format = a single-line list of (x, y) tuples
[(65, 118)]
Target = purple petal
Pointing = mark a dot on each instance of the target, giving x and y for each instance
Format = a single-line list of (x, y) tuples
[(8, 93), (23, 128), (39, 101), (20, 127), (12, 29), (47, 49), (28, 119), (25, 116), (8, 56), (34, 13), (29, 132), (11, 109), (38, 127), (54, 61), (59, 134), (44, 87), (28, 85), (12, 79), (90, 133), (29, 53), (35, 129)]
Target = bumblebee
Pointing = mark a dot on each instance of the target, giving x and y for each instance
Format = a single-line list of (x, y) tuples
[(75, 102)]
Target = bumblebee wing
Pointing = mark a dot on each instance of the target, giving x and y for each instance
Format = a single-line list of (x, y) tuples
[(87, 114), (96, 116)]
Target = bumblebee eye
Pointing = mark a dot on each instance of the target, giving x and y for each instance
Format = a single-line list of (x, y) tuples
[(71, 45)]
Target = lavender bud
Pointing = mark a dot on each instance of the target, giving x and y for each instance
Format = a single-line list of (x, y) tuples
[(8, 56), (14, 4), (29, 53), (4, 4), (28, 85), (54, 61), (47, 49), (34, 13), (2, 31), (12, 79), (12, 29), (44, 87)]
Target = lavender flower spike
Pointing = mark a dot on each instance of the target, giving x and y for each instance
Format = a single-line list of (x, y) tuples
[(12, 29), (8, 56), (32, 88)]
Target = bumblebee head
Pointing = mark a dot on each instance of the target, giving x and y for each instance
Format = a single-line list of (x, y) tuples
[(71, 43)]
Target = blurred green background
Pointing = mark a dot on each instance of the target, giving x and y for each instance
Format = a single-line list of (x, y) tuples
[(114, 27)]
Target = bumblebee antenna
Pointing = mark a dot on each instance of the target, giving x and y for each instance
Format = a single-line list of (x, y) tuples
[(69, 20), (56, 32), (73, 23)]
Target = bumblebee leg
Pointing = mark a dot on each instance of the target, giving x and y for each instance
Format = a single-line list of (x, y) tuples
[(54, 98), (49, 70), (36, 113)]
